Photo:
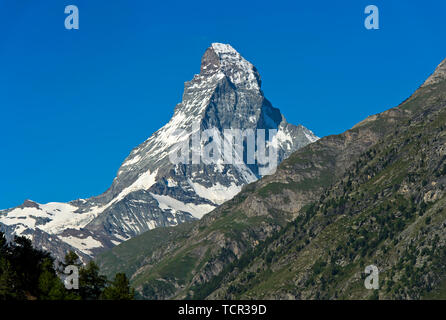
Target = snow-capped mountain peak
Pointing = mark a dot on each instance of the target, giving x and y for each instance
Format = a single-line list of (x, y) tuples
[(150, 190), (224, 60)]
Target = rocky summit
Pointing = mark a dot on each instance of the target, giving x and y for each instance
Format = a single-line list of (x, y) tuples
[(149, 190)]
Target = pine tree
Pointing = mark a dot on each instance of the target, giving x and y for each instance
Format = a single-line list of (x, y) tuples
[(71, 259), (50, 285), (8, 279), (29, 273), (26, 262), (119, 289), (3, 245), (91, 283)]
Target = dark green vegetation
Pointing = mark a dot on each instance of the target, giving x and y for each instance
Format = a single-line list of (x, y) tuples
[(372, 195), (30, 274), (128, 256), (27, 273)]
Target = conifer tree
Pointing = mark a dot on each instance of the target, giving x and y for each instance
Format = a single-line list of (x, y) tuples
[(29, 273), (119, 289), (91, 283), (8, 279)]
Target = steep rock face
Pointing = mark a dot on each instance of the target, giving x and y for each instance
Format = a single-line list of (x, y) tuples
[(438, 76), (150, 190)]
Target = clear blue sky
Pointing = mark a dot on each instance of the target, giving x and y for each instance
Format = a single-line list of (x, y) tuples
[(74, 103)]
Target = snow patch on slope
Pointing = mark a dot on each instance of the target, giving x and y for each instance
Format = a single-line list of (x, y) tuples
[(144, 182), (53, 217), (217, 193), (167, 202), (85, 245)]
